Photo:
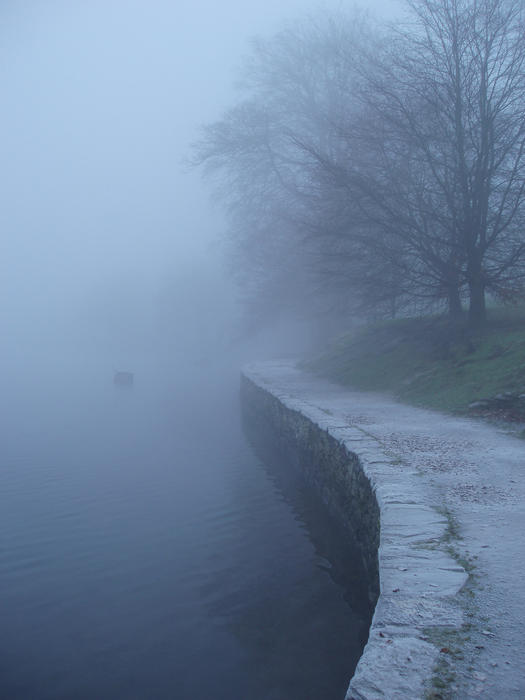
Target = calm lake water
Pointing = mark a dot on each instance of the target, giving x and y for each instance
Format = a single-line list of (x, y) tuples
[(147, 552)]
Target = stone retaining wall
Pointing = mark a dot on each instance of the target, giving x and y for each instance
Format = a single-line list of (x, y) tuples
[(401, 537), (327, 466)]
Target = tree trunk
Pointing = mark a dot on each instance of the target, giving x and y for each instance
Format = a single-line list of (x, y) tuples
[(455, 310), (477, 313), (393, 306)]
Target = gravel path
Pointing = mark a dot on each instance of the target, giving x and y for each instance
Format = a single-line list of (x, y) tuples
[(477, 473)]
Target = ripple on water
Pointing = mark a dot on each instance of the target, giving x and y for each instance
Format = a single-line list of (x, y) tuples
[(144, 559)]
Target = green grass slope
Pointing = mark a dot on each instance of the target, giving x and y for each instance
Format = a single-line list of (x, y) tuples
[(429, 362)]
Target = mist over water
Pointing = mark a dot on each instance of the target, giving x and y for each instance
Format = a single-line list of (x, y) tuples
[(146, 551)]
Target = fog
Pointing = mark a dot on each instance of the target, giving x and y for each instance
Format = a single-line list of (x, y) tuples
[(112, 257), (108, 241)]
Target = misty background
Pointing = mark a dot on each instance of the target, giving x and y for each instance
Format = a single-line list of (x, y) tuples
[(107, 240), (139, 532)]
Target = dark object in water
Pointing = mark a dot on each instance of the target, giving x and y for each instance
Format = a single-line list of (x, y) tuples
[(123, 379)]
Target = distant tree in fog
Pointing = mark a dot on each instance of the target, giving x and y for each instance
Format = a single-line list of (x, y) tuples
[(295, 88), (385, 168)]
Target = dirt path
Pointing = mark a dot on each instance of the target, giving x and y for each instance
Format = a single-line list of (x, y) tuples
[(477, 473)]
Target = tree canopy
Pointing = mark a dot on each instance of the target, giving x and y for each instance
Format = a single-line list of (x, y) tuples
[(380, 167)]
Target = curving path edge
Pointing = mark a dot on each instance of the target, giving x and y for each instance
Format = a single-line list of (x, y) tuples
[(451, 496)]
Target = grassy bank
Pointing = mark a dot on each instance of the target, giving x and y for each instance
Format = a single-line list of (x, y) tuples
[(430, 362)]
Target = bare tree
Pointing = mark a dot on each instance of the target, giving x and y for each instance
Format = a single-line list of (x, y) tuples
[(449, 170), (387, 170), (295, 89)]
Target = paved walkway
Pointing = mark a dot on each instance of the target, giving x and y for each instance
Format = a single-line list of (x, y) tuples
[(476, 472)]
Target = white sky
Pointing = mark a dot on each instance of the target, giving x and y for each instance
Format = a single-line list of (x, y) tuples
[(101, 99)]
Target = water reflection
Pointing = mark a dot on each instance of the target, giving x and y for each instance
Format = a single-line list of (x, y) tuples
[(308, 623)]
